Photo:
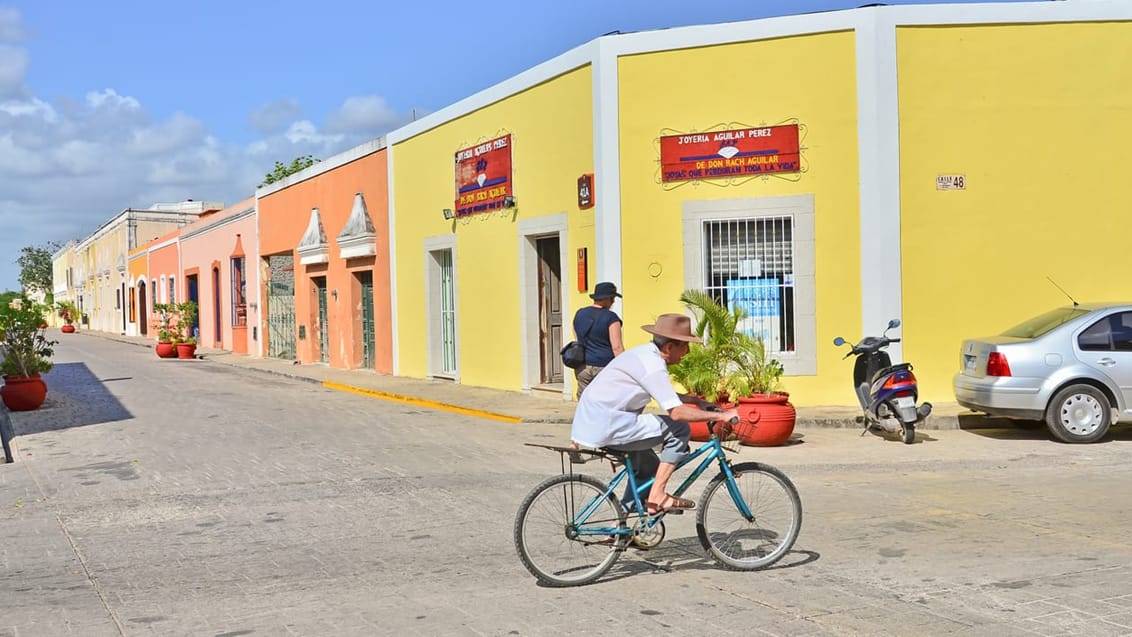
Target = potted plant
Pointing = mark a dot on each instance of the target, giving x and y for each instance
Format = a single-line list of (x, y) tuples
[(702, 371), (755, 379), (25, 353), (746, 372), (69, 312), (165, 334), (185, 343)]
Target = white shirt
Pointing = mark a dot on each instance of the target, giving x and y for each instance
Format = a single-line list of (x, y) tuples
[(609, 412)]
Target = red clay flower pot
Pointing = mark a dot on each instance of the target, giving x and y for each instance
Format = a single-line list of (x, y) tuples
[(67, 329), (21, 393), (165, 350), (186, 350), (765, 420)]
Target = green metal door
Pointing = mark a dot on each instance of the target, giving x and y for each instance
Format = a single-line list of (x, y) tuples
[(369, 355), (323, 322), (281, 307)]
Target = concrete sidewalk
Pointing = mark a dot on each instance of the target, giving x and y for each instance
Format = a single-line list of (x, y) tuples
[(509, 406)]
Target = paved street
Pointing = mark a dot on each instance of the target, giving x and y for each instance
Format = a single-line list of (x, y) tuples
[(194, 498)]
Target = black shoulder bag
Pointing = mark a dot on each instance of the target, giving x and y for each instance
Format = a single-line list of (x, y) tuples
[(574, 354)]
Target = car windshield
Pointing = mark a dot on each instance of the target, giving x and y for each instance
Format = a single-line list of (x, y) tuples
[(1040, 325)]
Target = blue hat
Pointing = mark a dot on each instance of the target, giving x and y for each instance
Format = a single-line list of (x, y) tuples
[(604, 290)]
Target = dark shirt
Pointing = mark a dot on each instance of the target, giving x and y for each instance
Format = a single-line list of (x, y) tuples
[(599, 351)]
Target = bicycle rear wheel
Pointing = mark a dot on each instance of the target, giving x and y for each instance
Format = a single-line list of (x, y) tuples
[(558, 541), (741, 544)]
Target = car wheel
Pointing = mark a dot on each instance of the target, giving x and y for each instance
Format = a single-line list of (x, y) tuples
[(1078, 414)]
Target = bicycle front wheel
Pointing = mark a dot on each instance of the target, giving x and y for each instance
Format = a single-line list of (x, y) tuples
[(744, 544), (570, 530)]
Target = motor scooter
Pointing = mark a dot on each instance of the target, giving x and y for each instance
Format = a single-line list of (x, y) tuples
[(887, 392)]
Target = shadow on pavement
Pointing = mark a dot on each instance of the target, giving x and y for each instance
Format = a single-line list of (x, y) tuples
[(75, 398), (1011, 429), (686, 553)]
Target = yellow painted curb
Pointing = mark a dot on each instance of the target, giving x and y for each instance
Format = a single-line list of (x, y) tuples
[(420, 402)]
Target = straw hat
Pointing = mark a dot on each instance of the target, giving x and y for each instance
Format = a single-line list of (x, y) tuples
[(674, 326)]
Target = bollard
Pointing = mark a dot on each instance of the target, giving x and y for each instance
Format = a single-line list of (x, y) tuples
[(6, 434)]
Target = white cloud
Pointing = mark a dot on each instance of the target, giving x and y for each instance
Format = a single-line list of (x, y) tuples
[(34, 107), (109, 98), (274, 116), (368, 114)]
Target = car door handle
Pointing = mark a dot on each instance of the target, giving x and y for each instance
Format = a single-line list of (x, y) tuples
[(1106, 361)]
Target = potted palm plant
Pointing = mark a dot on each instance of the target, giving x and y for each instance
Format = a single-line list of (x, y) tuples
[(702, 371), (746, 373)]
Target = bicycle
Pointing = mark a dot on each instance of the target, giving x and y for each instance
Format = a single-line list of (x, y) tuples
[(579, 521)]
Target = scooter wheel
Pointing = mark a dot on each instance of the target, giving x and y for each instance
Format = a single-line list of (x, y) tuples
[(908, 433)]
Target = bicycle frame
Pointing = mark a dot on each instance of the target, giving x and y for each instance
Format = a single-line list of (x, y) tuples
[(714, 453)]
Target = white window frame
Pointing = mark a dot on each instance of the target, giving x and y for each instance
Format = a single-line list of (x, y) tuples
[(433, 302), (800, 208)]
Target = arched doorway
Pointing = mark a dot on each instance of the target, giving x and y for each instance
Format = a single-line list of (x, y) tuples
[(143, 310)]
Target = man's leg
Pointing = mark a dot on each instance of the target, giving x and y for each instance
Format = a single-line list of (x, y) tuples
[(674, 450), (644, 468)]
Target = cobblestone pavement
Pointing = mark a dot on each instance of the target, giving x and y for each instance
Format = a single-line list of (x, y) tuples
[(193, 498)]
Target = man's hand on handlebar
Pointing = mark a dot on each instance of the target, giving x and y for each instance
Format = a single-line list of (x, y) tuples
[(724, 427)]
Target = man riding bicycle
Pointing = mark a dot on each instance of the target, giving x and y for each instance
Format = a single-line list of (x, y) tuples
[(610, 411)]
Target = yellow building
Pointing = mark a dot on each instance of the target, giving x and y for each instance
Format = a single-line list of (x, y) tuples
[(102, 286), (828, 171)]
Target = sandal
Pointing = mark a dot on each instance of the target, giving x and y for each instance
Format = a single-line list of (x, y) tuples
[(675, 505)]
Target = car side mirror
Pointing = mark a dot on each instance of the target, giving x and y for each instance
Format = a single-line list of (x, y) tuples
[(839, 341)]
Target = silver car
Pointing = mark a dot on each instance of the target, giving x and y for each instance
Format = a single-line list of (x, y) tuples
[(1071, 367)]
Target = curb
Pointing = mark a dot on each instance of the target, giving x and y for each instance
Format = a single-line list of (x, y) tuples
[(421, 402)]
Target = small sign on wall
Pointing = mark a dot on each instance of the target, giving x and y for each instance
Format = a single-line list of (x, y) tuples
[(586, 191), (583, 267), (951, 182)]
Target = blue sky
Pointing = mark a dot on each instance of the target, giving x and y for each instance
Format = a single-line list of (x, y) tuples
[(115, 104)]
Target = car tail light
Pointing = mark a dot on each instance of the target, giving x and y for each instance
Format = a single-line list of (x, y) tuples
[(997, 365)]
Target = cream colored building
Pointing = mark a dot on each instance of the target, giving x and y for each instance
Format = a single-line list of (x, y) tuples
[(99, 282)]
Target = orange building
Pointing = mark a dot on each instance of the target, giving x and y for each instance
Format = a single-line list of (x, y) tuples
[(324, 263)]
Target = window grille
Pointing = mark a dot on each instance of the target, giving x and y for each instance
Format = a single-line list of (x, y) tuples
[(749, 262), (447, 312)]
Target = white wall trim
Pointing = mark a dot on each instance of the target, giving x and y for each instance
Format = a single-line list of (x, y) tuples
[(607, 167), (530, 350), (391, 231), (436, 244), (878, 139), (1009, 13)]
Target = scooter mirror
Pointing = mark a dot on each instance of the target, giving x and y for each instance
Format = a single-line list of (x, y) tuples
[(893, 324), (839, 341)]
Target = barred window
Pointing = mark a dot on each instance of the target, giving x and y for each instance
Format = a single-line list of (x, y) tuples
[(757, 253), (749, 263)]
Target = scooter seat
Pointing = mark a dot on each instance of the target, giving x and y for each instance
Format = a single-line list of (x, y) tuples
[(891, 370)]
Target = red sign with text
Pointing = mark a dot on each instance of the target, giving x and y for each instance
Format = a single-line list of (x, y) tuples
[(483, 176), (745, 152)]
